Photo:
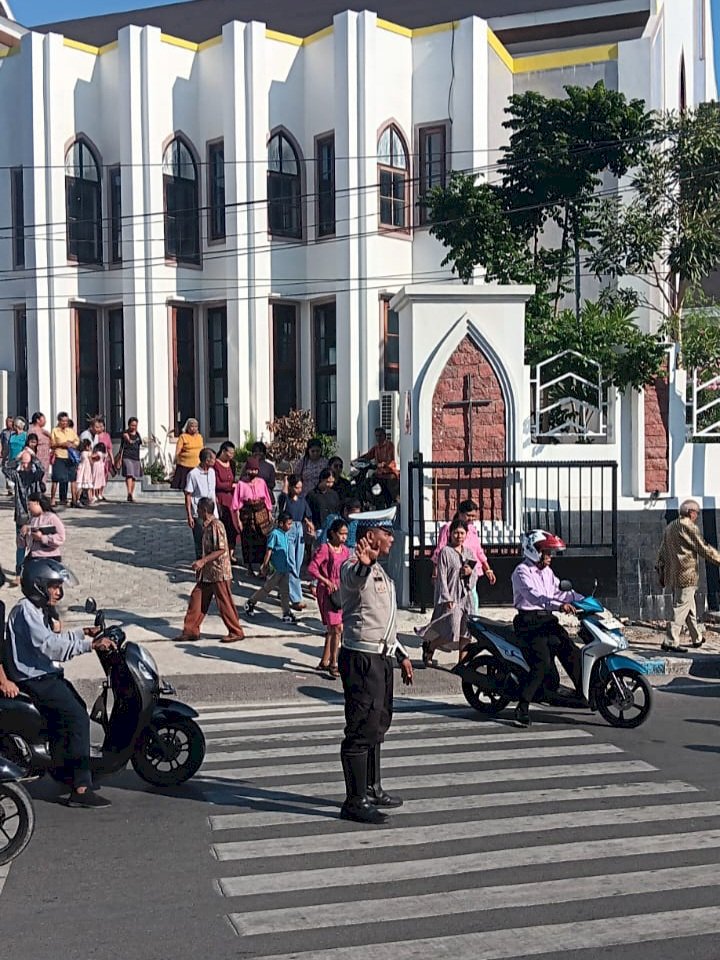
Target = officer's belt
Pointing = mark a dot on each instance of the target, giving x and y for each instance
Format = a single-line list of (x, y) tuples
[(379, 647)]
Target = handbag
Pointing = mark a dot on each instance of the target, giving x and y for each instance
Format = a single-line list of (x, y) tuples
[(261, 517), (73, 455), (117, 462), (335, 599)]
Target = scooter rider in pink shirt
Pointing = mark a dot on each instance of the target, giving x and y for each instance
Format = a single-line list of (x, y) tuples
[(536, 594)]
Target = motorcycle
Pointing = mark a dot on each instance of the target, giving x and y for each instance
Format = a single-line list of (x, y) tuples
[(17, 817), (613, 683), (367, 488), (142, 725)]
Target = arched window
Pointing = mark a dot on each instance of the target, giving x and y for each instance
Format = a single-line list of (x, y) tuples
[(182, 203), (83, 204), (284, 188), (393, 178)]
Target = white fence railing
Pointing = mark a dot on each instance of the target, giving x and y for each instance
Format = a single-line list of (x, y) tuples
[(704, 404), (569, 399)]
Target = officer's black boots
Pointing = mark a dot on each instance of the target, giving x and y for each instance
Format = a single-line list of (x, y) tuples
[(375, 792), (357, 806)]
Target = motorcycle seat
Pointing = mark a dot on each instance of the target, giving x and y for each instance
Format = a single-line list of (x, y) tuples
[(9, 701), (505, 630)]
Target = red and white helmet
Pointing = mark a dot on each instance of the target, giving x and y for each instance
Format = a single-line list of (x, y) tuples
[(537, 542)]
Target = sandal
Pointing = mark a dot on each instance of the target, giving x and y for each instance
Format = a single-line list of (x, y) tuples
[(322, 666), (427, 657), (334, 672)]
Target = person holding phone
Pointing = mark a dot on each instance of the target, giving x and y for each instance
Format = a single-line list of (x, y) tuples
[(45, 533), (457, 574)]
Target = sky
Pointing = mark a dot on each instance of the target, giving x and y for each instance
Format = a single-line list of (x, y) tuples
[(30, 12)]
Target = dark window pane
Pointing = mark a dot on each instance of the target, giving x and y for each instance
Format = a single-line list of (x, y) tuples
[(324, 322), (283, 189), (326, 186), (87, 367), (21, 363), (84, 220), (432, 162), (184, 358), (216, 162), (217, 371), (116, 370), (18, 216), (284, 358), (115, 216), (182, 213), (391, 349)]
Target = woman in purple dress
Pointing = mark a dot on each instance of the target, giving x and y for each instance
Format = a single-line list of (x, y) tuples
[(325, 568)]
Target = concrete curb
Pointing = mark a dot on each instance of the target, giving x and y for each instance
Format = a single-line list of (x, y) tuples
[(275, 685)]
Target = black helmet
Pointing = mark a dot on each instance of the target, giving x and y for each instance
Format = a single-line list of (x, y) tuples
[(38, 575)]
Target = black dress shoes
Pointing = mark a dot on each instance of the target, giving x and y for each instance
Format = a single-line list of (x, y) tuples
[(361, 810), (379, 798)]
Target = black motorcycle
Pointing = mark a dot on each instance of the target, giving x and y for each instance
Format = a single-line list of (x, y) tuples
[(368, 488), (17, 817), (157, 735)]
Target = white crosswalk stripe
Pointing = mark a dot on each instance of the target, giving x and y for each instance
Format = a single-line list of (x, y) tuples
[(594, 852)]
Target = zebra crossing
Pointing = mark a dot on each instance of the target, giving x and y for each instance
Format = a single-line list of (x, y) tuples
[(511, 843)]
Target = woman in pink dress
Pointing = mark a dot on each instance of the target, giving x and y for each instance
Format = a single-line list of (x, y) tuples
[(325, 568), (99, 470), (102, 436), (85, 470), (251, 511)]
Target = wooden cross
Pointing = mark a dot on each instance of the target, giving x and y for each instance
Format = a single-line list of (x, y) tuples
[(467, 405)]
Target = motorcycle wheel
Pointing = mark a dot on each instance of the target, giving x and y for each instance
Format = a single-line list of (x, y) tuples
[(629, 708), (17, 820), (170, 752), (488, 703)]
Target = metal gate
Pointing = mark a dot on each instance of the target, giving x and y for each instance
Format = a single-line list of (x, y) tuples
[(575, 500)]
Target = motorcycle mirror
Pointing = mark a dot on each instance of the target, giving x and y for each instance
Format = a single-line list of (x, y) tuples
[(90, 605), (595, 586), (566, 585)]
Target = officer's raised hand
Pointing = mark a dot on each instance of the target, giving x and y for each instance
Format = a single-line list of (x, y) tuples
[(365, 553)]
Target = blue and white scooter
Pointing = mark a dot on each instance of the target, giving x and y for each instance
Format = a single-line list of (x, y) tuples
[(613, 683)]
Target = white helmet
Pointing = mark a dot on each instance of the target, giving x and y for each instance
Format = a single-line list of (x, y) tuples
[(536, 542)]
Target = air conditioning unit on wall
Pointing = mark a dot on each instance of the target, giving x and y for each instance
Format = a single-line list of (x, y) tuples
[(390, 415)]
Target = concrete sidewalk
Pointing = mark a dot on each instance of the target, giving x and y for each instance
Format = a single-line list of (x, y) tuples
[(134, 559)]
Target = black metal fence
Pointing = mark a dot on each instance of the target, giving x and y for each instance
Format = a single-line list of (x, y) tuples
[(575, 500)]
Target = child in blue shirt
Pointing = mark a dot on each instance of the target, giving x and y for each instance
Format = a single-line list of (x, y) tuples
[(277, 554)]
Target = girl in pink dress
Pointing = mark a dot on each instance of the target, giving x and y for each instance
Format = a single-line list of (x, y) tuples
[(325, 568), (99, 460), (85, 470)]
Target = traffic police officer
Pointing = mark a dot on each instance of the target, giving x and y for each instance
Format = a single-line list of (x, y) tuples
[(369, 648)]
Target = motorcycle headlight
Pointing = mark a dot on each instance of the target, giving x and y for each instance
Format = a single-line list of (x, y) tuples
[(376, 490), (147, 665)]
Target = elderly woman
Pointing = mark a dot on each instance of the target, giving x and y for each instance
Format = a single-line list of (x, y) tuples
[(251, 506), (17, 439), (457, 573), (187, 453)]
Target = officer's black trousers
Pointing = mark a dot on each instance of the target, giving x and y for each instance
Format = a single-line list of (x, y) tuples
[(367, 680), (542, 639), (68, 724)]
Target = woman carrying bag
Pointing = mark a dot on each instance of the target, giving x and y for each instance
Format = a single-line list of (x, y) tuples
[(251, 510)]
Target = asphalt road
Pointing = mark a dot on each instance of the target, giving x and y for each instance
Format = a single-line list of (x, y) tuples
[(565, 841)]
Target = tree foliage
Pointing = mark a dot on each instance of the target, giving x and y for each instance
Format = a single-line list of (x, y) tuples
[(556, 212)]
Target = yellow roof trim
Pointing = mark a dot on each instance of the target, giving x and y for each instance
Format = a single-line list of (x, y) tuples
[(318, 35), (284, 37), (566, 58), (178, 42), (84, 47), (501, 50), (10, 52), (113, 45), (394, 28), (212, 42), (435, 28)]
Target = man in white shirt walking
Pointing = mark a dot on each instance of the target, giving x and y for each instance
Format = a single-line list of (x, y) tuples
[(200, 483)]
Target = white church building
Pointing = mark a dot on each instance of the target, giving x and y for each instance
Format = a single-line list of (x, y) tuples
[(209, 209)]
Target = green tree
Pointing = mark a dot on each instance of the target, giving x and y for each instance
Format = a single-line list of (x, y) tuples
[(666, 231), (549, 175)]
